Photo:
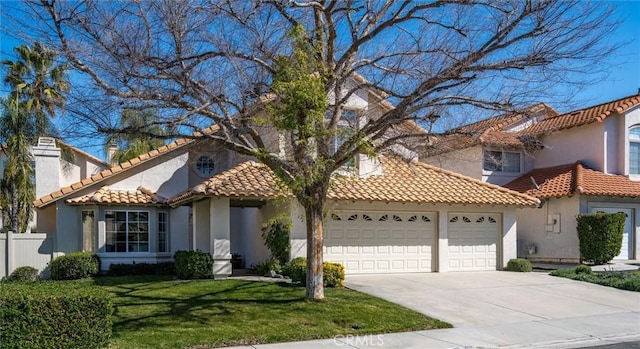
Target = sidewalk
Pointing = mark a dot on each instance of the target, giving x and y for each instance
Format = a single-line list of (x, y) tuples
[(551, 334)]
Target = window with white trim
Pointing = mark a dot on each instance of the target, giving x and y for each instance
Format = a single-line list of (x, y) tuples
[(501, 161), (346, 128), (634, 150), (163, 231), (88, 231), (127, 231)]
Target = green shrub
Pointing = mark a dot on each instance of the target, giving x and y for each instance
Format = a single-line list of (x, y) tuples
[(600, 235), (165, 268), (333, 273), (296, 269), (519, 265), (267, 266), (25, 273), (583, 269), (73, 266), (51, 314), (276, 237), (193, 264)]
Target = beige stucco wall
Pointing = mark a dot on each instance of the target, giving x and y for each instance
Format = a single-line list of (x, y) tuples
[(465, 161), (560, 245), (584, 143)]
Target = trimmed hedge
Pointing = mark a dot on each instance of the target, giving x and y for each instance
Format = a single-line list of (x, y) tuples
[(520, 265), (25, 273), (333, 273), (50, 314), (600, 236), (583, 269), (193, 265), (73, 266), (165, 268)]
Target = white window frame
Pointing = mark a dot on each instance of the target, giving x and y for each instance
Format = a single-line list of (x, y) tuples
[(107, 231), (167, 248), (344, 123), (634, 140), (500, 171)]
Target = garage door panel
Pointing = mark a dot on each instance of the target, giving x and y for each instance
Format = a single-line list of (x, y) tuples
[(389, 242), (473, 241)]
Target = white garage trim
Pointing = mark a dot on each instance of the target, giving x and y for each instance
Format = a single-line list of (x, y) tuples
[(474, 241), (367, 241)]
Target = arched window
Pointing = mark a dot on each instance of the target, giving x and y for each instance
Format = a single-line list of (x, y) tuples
[(634, 150)]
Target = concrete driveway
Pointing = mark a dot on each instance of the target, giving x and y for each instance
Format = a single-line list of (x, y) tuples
[(492, 298)]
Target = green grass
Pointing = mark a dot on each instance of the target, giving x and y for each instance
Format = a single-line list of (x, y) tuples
[(625, 280), (157, 312)]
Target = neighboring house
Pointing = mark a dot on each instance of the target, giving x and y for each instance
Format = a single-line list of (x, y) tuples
[(584, 161), (385, 215), (52, 171)]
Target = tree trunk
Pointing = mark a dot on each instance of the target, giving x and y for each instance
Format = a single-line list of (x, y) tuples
[(315, 285)]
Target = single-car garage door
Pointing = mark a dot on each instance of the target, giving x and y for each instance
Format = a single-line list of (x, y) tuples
[(380, 242), (473, 241)]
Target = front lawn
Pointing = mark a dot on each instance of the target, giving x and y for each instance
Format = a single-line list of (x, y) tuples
[(625, 280), (157, 312)]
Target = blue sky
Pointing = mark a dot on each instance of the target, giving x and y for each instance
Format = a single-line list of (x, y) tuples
[(621, 80)]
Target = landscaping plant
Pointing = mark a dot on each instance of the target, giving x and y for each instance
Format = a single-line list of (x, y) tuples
[(73, 266), (519, 265), (600, 235), (24, 273), (51, 314), (276, 237), (193, 264)]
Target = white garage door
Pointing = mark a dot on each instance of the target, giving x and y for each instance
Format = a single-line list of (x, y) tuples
[(380, 242), (473, 241)]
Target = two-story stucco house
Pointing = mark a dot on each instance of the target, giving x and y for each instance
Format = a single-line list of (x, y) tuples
[(583, 161), (385, 214)]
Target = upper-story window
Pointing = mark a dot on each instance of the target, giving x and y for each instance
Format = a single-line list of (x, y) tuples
[(634, 150), (205, 165), (501, 161), (346, 128)]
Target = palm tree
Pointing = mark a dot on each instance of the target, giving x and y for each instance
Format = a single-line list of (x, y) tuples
[(38, 84), (17, 187), (145, 129)]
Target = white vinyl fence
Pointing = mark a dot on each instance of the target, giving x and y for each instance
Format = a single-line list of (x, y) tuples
[(17, 250)]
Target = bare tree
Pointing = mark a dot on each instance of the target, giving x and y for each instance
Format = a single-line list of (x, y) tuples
[(213, 62)]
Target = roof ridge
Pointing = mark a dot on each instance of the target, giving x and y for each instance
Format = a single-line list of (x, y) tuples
[(477, 181), (637, 95), (109, 172), (578, 178)]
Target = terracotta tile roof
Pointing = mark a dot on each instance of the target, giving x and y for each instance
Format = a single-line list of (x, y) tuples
[(491, 131), (63, 192), (572, 179), (247, 180), (105, 195), (401, 182), (581, 117)]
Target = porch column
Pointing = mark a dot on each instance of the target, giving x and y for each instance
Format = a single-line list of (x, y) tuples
[(298, 237), (443, 241), (220, 236)]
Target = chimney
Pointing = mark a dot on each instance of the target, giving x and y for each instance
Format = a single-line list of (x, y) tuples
[(111, 151)]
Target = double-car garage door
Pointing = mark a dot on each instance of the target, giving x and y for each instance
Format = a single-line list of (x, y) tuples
[(403, 242)]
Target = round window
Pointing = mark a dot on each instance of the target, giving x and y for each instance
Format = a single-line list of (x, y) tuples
[(205, 165)]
